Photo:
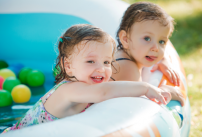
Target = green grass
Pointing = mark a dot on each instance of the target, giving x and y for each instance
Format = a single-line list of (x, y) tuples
[(187, 39)]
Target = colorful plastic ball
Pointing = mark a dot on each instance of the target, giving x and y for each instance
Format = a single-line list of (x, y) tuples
[(5, 98), (16, 67), (3, 64), (23, 74), (6, 73), (35, 78), (21, 94), (10, 83), (1, 82)]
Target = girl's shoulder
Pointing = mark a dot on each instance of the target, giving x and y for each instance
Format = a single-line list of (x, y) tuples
[(53, 89), (123, 61), (125, 70)]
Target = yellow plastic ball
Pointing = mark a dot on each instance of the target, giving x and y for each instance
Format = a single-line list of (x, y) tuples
[(21, 94), (6, 73)]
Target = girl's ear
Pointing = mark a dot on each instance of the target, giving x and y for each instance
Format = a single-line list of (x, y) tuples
[(124, 39), (67, 66)]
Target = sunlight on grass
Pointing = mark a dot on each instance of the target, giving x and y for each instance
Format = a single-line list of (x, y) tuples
[(193, 68), (181, 8), (187, 39)]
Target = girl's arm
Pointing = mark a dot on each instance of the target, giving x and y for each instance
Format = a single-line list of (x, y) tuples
[(84, 93)]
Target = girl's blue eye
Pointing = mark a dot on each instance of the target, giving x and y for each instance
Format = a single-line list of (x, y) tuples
[(162, 42), (147, 38), (91, 61)]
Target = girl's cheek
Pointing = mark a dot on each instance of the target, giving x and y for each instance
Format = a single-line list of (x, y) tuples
[(162, 50), (110, 72), (161, 55)]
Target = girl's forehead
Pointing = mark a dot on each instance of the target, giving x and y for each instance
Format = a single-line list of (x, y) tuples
[(88, 48), (147, 26), (146, 23)]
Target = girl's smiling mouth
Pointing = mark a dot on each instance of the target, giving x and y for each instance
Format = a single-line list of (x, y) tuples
[(97, 79), (151, 58)]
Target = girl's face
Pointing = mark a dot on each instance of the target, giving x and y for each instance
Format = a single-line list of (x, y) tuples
[(91, 62), (147, 42)]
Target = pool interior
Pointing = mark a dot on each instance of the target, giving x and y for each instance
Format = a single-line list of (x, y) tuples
[(9, 115)]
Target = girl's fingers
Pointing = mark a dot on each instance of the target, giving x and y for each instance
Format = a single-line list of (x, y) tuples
[(156, 101), (154, 68), (159, 103), (177, 77), (182, 102), (160, 99), (169, 75), (174, 78), (163, 100), (166, 96)]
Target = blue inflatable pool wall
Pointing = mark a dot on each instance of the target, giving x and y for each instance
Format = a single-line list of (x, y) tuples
[(31, 38)]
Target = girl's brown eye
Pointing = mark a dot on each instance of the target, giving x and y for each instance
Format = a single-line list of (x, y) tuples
[(106, 62), (90, 62)]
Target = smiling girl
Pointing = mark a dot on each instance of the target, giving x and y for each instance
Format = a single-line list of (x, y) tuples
[(142, 37)]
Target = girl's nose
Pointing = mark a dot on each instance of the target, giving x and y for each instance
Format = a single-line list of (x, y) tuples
[(100, 68), (155, 47)]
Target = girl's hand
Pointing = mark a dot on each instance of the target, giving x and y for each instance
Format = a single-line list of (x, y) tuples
[(165, 67), (158, 95), (175, 93)]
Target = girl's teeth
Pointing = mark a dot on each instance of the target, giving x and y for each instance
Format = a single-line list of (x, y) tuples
[(97, 77)]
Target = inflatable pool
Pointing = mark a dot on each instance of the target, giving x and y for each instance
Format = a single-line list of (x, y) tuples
[(29, 32)]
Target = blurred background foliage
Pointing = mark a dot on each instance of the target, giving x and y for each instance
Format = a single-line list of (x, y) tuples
[(187, 39)]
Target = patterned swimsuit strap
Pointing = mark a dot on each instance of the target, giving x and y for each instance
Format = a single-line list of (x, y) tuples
[(54, 89)]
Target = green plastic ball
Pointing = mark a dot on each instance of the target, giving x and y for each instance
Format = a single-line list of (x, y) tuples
[(10, 83), (5, 98), (23, 74), (6, 73), (3, 64), (35, 78)]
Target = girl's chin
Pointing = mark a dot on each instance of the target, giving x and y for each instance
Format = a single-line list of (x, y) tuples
[(149, 64)]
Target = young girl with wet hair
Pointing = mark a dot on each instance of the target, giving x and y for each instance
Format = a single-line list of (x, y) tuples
[(142, 38), (84, 61)]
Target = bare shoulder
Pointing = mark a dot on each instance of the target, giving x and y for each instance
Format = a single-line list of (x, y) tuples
[(126, 70), (71, 86), (61, 91), (60, 104)]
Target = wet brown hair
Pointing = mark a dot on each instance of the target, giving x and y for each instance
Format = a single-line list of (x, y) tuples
[(142, 11), (73, 37)]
